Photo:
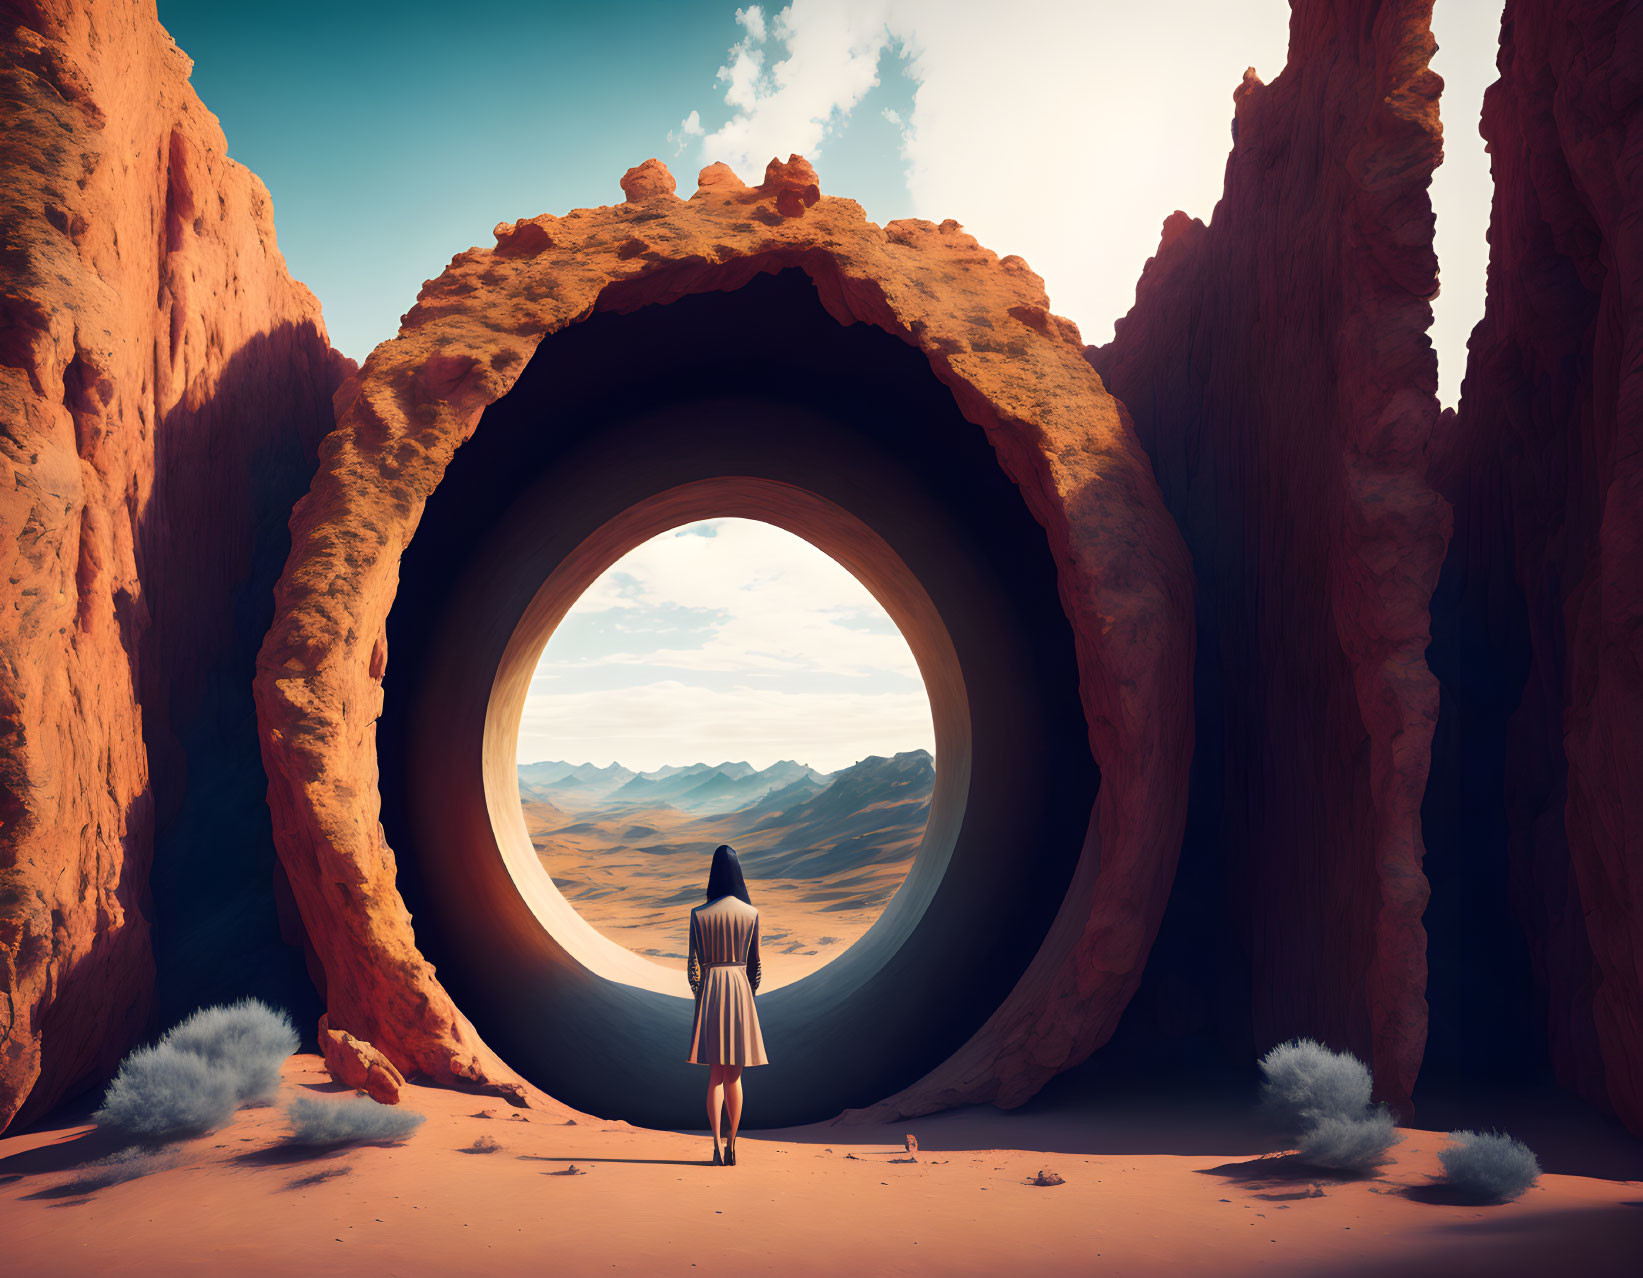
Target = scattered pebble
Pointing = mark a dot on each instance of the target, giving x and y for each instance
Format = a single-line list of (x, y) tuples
[(1046, 1177)]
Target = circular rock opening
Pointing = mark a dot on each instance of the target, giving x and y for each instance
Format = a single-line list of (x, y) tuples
[(576, 946), (727, 681), (757, 404)]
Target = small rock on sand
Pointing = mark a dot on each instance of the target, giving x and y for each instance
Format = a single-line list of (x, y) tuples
[(1046, 1177)]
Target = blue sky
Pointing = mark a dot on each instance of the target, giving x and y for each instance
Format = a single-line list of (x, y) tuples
[(392, 137), (395, 136)]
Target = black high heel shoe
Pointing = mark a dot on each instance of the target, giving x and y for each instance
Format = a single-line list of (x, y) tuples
[(718, 1159), (730, 1153)]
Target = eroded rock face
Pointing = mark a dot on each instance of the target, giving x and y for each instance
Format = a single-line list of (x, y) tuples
[(1277, 370), (355, 1063), (163, 386), (1542, 605), (1012, 368)]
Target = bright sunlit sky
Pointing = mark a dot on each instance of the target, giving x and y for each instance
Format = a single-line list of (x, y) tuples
[(393, 136), (725, 640)]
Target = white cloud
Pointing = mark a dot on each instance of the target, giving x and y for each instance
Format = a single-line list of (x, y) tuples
[(725, 631), (831, 63), (785, 605), (1065, 130), (743, 75), (752, 18), (689, 127)]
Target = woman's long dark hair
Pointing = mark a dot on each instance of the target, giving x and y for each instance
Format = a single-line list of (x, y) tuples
[(725, 878)]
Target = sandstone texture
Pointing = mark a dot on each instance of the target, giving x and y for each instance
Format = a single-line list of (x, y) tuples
[(357, 1064), (161, 378), (1277, 371), (1544, 465), (1012, 367)]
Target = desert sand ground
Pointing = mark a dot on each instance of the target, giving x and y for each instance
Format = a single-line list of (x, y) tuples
[(1142, 1195)]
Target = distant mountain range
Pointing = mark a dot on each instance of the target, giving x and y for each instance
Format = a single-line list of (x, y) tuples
[(696, 787), (823, 852), (789, 820)]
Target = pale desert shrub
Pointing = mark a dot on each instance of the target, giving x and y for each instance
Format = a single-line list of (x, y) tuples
[(347, 1121), (1305, 1081), (1353, 1144), (1320, 1100), (248, 1040), (162, 1091), (1488, 1166), (200, 1072)]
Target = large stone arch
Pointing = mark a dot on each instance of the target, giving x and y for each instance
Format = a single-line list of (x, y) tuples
[(1004, 364)]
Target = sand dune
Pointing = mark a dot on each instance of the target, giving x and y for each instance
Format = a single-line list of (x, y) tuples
[(822, 854), (1168, 1193)]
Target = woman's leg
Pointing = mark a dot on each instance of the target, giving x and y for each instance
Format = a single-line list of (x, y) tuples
[(716, 1099), (733, 1097)]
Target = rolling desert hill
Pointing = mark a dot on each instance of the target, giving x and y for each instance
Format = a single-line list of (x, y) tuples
[(823, 852)]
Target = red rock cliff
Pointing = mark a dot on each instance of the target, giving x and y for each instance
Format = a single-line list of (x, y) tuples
[(161, 379), (1544, 466), (1277, 369)]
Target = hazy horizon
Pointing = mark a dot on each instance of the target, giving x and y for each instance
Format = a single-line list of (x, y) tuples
[(719, 762), (725, 639)]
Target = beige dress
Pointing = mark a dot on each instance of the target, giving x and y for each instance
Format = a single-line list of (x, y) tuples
[(723, 970)]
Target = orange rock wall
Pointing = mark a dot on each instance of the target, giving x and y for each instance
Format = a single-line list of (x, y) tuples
[(159, 373), (984, 325), (1544, 465), (1277, 370)]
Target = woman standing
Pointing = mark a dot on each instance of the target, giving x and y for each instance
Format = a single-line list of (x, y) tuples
[(723, 970)]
